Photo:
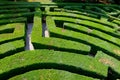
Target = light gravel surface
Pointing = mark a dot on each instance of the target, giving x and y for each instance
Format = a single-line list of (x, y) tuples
[(29, 45)]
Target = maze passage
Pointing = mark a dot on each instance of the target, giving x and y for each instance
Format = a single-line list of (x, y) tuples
[(71, 41)]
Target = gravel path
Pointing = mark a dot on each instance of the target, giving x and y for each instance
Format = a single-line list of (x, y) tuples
[(45, 32), (29, 45)]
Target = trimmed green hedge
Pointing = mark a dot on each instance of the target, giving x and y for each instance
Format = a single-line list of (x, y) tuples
[(83, 17), (111, 62), (95, 33), (90, 24), (18, 3), (69, 46), (96, 10), (14, 10), (13, 42), (18, 6), (51, 74), (76, 12), (37, 26), (62, 44), (12, 20), (54, 43), (81, 4), (23, 14), (47, 59), (82, 37)]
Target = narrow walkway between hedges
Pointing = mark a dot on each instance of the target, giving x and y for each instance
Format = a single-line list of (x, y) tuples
[(29, 45), (45, 33)]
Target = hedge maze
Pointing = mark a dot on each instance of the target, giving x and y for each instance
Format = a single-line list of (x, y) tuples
[(72, 41)]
